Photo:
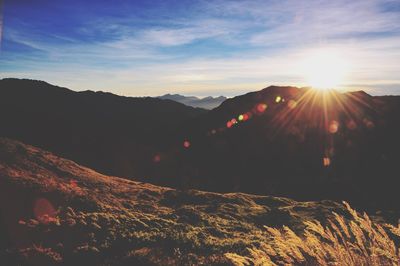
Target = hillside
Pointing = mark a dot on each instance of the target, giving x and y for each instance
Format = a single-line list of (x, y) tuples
[(205, 103), (112, 134), (56, 212)]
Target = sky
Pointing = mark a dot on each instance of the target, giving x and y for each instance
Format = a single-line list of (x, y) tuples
[(219, 47)]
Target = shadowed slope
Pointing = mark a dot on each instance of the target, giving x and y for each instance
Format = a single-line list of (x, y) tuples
[(299, 143), (55, 211), (112, 134)]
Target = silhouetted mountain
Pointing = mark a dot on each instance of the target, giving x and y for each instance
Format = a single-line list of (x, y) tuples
[(281, 141), (113, 134), (296, 142), (206, 103), (56, 212)]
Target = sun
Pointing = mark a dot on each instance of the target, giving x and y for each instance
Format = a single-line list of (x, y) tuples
[(325, 69)]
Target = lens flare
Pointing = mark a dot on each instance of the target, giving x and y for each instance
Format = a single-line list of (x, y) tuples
[(157, 158), (326, 161), (333, 127), (261, 107), (186, 144)]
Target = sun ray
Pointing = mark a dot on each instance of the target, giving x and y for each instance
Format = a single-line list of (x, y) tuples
[(324, 69)]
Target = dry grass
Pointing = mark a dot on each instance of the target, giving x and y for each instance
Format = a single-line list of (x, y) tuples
[(354, 241), (103, 220)]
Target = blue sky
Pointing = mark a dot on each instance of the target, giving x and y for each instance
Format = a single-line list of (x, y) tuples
[(199, 47)]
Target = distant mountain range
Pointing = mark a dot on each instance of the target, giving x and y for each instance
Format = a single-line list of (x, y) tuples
[(206, 102), (281, 141)]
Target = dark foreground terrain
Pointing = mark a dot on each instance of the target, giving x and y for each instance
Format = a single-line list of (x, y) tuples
[(56, 212)]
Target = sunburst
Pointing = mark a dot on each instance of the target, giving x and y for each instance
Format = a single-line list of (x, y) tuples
[(325, 69)]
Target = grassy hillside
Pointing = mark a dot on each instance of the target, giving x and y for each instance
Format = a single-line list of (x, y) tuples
[(356, 240), (54, 211)]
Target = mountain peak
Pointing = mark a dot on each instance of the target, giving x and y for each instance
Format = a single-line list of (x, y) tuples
[(208, 102)]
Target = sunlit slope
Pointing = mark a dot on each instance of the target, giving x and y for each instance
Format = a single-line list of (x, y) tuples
[(54, 211)]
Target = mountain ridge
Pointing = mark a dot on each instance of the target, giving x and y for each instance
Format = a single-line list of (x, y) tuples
[(208, 102), (301, 143), (104, 131)]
